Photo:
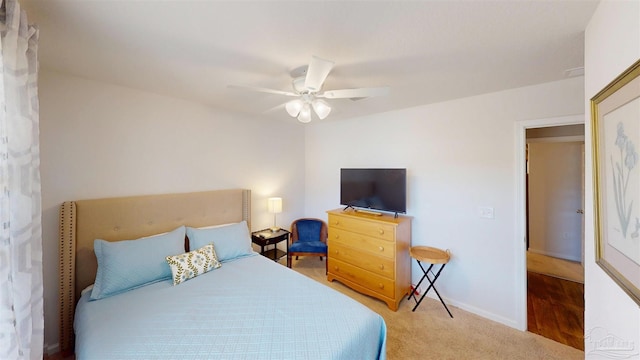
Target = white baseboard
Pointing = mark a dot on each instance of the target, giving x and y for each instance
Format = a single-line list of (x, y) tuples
[(51, 349), (474, 310)]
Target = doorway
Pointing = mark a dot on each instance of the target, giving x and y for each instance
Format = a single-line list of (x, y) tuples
[(555, 200), (554, 222), (522, 228)]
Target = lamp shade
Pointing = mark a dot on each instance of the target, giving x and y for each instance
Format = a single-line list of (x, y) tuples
[(305, 114), (274, 205), (293, 107), (321, 108)]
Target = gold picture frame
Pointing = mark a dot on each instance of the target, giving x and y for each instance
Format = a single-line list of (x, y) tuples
[(615, 125)]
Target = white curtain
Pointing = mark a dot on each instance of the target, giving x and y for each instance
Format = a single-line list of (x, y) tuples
[(21, 294)]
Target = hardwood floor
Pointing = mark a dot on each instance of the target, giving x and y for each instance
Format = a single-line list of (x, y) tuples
[(59, 356), (555, 309)]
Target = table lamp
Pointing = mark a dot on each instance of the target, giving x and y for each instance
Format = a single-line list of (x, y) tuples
[(274, 206)]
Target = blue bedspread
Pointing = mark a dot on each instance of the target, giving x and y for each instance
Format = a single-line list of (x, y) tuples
[(250, 308)]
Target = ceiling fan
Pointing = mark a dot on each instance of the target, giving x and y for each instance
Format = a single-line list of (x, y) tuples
[(307, 85)]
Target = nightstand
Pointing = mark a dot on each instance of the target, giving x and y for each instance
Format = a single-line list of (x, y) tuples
[(267, 237)]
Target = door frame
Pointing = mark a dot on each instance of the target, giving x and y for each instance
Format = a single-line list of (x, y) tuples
[(521, 217)]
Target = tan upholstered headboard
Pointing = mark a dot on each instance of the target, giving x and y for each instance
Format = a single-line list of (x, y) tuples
[(125, 218)]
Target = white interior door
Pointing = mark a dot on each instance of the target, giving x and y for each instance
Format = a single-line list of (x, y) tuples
[(556, 199)]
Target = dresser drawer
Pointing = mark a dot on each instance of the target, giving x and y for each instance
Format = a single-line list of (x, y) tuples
[(369, 228), (363, 243), (376, 264), (373, 282)]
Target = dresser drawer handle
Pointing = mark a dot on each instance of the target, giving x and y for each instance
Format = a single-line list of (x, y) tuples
[(336, 236), (380, 248), (381, 286), (336, 222), (337, 252), (381, 231), (336, 268), (381, 267)]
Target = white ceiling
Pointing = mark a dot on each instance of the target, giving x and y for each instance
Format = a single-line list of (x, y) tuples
[(425, 51)]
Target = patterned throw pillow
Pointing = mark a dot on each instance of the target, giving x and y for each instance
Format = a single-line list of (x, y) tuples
[(191, 264)]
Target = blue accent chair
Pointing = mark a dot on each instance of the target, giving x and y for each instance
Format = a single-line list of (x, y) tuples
[(308, 238)]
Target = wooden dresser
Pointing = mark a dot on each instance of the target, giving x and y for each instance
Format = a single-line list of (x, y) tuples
[(370, 254)]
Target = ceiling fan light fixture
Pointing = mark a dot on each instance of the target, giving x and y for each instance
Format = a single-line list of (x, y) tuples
[(305, 114), (293, 107), (321, 108), (307, 84)]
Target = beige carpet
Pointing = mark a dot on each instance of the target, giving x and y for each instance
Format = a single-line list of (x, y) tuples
[(429, 332)]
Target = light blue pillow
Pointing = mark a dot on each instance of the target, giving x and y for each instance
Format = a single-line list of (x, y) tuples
[(128, 264), (230, 241)]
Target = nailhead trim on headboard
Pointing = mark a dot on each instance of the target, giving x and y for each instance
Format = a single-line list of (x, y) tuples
[(67, 273)]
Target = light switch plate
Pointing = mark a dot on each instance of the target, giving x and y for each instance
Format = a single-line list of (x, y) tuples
[(486, 212)]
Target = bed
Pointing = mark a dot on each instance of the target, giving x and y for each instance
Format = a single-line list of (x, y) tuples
[(247, 308)]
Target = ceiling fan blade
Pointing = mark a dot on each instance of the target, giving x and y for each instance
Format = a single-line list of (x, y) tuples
[(264, 90), (276, 108), (317, 73), (354, 93)]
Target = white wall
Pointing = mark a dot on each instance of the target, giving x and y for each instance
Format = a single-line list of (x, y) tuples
[(100, 140), (460, 155), (612, 44)]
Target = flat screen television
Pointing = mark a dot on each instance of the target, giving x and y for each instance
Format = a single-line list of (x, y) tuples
[(376, 189)]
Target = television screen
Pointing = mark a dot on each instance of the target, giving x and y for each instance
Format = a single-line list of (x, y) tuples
[(377, 189)]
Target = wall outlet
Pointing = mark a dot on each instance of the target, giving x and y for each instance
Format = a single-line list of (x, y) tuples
[(485, 212)]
